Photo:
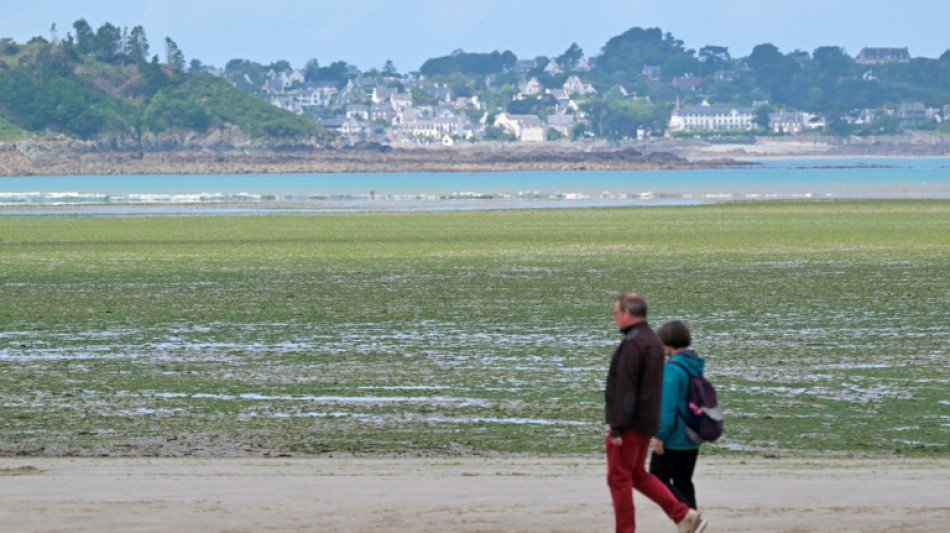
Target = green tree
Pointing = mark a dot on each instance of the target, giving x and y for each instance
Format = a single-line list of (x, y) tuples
[(108, 42), (570, 57), (615, 117), (423, 97), (154, 77), (498, 133), (839, 126), (9, 47), (311, 71), (85, 37), (526, 106), (712, 59), (174, 57), (281, 65), (627, 53), (762, 116), (473, 64), (772, 71), (336, 72), (578, 131), (137, 45)]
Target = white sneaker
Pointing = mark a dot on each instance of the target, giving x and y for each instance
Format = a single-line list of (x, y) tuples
[(701, 525), (693, 522)]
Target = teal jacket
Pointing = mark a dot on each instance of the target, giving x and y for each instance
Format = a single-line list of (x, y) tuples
[(675, 389)]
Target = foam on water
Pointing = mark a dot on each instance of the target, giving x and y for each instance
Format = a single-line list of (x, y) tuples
[(243, 193)]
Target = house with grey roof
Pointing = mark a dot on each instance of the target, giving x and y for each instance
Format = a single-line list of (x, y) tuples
[(574, 85), (563, 124), (523, 66), (708, 117), (527, 128), (880, 56), (553, 68), (790, 122)]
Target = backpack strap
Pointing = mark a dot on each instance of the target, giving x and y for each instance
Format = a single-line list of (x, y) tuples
[(689, 375)]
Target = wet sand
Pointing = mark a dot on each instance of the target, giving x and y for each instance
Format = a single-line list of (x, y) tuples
[(520, 494)]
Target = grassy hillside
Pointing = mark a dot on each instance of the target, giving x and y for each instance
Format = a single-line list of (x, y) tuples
[(45, 88), (9, 132)]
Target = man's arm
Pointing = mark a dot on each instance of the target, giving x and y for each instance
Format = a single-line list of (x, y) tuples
[(628, 379)]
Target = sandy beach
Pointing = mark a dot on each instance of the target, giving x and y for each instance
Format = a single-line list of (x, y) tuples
[(499, 494)]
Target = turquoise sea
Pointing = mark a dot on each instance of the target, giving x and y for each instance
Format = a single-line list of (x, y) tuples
[(836, 178)]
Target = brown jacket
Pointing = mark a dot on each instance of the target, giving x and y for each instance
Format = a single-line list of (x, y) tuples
[(634, 389)]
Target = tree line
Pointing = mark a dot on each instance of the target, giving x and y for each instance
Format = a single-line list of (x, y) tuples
[(96, 83)]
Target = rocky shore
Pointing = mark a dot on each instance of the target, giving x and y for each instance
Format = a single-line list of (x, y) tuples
[(60, 156), (47, 160)]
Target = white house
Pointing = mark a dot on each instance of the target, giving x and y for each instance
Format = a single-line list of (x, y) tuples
[(790, 122), (382, 96), (320, 96), (358, 111), (553, 68), (651, 71), (531, 87), (400, 101), (573, 85), (354, 129), (712, 118), (411, 123), (527, 128), (285, 101), (277, 82)]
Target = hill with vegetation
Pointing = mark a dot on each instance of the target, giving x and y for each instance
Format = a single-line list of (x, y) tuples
[(98, 102), (91, 94)]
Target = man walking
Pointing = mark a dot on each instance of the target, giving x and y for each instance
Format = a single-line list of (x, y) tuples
[(633, 396)]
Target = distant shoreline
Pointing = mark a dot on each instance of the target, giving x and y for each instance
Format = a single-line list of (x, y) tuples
[(67, 157), (342, 161)]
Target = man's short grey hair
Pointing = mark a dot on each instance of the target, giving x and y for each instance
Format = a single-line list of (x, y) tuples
[(634, 303)]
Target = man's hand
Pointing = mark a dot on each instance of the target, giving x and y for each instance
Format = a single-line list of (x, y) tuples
[(658, 447), (616, 441)]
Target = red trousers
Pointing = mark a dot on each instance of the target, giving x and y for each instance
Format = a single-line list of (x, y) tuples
[(626, 470)]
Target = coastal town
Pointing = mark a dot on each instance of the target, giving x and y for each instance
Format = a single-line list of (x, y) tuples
[(645, 101), (415, 109)]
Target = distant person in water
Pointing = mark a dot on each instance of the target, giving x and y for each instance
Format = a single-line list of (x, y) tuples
[(632, 404), (674, 453)]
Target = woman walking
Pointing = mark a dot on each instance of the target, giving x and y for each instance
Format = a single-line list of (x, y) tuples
[(674, 453)]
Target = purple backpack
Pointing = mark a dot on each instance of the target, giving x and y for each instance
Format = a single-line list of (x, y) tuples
[(702, 416)]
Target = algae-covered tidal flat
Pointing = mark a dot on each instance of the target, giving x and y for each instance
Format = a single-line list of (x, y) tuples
[(825, 324)]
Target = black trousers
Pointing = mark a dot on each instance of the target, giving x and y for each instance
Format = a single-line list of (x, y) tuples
[(675, 470)]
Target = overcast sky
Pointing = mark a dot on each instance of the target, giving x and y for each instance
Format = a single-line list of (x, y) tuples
[(366, 33)]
